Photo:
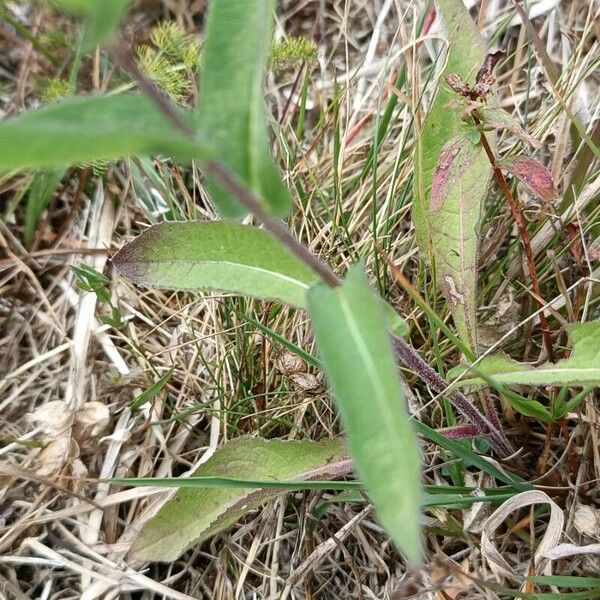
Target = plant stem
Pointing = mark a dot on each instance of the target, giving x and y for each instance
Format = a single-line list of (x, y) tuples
[(277, 228), (410, 358), (519, 220), (404, 351)]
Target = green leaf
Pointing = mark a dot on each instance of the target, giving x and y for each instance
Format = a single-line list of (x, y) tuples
[(357, 355), (497, 118), (89, 128), (225, 257), (102, 17), (103, 21), (194, 515), (581, 368), (470, 458), (221, 256), (42, 189), (447, 227), (154, 389), (231, 111)]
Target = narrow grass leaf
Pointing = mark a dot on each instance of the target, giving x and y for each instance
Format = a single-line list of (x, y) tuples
[(566, 581), (446, 217), (581, 368), (231, 110), (194, 515), (42, 189), (154, 389), (471, 458), (357, 355), (89, 128), (222, 256)]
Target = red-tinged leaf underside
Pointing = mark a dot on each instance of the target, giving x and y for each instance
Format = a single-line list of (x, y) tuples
[(533, 175)]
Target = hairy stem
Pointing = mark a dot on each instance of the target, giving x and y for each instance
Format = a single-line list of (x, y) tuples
[(413, 361)]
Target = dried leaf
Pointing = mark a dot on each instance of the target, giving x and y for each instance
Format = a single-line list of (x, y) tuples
[(533, 175), (547, 550), (497, 118)]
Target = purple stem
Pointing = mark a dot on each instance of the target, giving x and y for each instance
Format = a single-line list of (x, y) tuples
[(408, 356)]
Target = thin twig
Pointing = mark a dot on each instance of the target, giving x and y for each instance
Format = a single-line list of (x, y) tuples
[(519, 220)]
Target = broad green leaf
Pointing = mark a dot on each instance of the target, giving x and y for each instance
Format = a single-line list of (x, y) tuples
[(358, 360), (102, 17), (89, 128), (231, 110), (226, 257), (221, 256), (447, 224), (581, 368), (195, 515), (42, 189)]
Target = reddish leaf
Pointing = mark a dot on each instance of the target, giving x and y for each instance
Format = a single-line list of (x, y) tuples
[(534, 175)]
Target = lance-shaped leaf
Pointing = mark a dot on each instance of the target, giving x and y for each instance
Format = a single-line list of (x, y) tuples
[(226, 257), (231, 110), (221, 256), (358, 360), (447, 223), (194, 515), (533, 175), (90, 128), (581, 368)]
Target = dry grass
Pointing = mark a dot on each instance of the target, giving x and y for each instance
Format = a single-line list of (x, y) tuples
[(68, 381)]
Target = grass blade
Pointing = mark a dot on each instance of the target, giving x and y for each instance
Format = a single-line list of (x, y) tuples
[(42, 189)]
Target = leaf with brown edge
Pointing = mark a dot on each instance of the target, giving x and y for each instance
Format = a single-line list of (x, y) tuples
[(196, 514), (533, 175), (497, 118)]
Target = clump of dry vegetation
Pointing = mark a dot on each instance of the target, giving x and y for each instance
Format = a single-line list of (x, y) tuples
[(79, 352)]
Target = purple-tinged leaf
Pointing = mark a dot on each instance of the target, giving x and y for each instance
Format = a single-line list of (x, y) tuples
[(533, 175)]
